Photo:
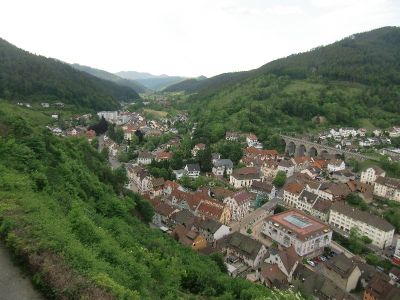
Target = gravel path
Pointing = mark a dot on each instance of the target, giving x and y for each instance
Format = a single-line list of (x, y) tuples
[(14, 285)]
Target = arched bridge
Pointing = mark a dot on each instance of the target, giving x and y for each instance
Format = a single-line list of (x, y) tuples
[(300, 147)]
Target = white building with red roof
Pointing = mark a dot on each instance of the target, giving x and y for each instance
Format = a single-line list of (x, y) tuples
[(239, 204)]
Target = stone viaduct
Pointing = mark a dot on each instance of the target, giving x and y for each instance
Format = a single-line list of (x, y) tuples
[(300, 147)]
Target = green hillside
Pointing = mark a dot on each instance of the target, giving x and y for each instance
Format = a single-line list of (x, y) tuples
[(28, 77), (136, 86), (345, 83), (69, 222)]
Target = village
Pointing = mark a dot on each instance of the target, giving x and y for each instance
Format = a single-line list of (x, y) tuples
[(280, 219)]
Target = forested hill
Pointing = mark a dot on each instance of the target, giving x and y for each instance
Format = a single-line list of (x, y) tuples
[(67, 217), (354, 82), (136, 86), (371, 57), (28, 77)]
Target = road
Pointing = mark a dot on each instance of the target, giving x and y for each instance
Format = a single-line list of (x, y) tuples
[(111, 159), (14, 285)]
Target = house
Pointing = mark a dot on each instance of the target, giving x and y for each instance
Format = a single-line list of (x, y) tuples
[(55, 115), (380, 289), (343, 271), (394, 132), (394, 275), (145, 158), (251, 140), (370, 175), (222, 166), (343, 175), (45, 105), (189, 238), (140, 177), (162, 156), (157, 187), (183, 217), (213, 209), (250, 251), (301, 163), (271, 276), (231, 136), (162, 212), (307, 234), (286, 166), (263, 188), (291, 193), (212, 230), (192, 170), (244, 177), (336, 165), (239, 204), (90, 134), (362, 132), (388, 188), (287, 260), (197, 148), (344, 217), (377, 132)]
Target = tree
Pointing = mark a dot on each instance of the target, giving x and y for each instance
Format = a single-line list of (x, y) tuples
[(205, 159), (280, 179)]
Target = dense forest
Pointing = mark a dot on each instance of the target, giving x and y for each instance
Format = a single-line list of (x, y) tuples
[(354, 82), (68, 219), (28, 77), (136, 86)]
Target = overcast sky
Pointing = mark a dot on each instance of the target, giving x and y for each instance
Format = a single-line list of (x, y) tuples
[(185, 37)]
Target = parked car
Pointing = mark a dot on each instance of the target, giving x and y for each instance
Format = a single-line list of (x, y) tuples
[(311, 263), (323, 258)]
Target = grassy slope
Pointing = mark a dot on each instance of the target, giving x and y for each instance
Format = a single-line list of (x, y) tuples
[(60, 214)]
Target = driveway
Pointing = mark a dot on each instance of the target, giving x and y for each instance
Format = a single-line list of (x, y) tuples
[(14, 285)]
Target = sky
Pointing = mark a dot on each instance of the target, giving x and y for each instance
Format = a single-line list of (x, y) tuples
[(185, 37)]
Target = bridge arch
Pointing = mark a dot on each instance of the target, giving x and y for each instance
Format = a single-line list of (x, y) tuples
[(291, 148), (312, 152), (301, 150)]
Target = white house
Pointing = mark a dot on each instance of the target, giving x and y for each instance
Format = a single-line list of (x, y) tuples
[(192, 170), (221, 166), (239, 204), (244, 177), (251, 140), (145, 158), (370, 175), (286, 166), (336, 165), (387, 187)]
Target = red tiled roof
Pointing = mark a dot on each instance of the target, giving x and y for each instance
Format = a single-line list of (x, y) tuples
[(294, 188)]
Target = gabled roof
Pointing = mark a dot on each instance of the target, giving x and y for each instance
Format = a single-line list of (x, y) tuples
[(307, 196), (294, 188), (246, 173), (211, 209), (289, 258), (243, 244), (193, 167), (227, 163), (208, 224), (262, 186), (286, 163), (183, 217), (242, 197), (145, 155)]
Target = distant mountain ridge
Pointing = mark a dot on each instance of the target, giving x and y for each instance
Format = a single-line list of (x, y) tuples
[(357, 58), (153, 82), (26, 76), (136, 86)]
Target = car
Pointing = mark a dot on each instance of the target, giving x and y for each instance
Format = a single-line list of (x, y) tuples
[(311, 263), (323, 258)]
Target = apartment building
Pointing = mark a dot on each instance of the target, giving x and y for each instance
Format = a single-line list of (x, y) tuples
[(344, 217)]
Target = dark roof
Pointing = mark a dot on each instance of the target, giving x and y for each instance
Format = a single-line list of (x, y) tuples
[(307, 196), (246, 173), (193, 167), (184, 217), (288, 257), (145, 154), (208, 224), (389, 182), (362, 216), (286, 163), (341, 265), (227, 163), (262, 186), (242, 244), (381, 289), (322, 205)]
